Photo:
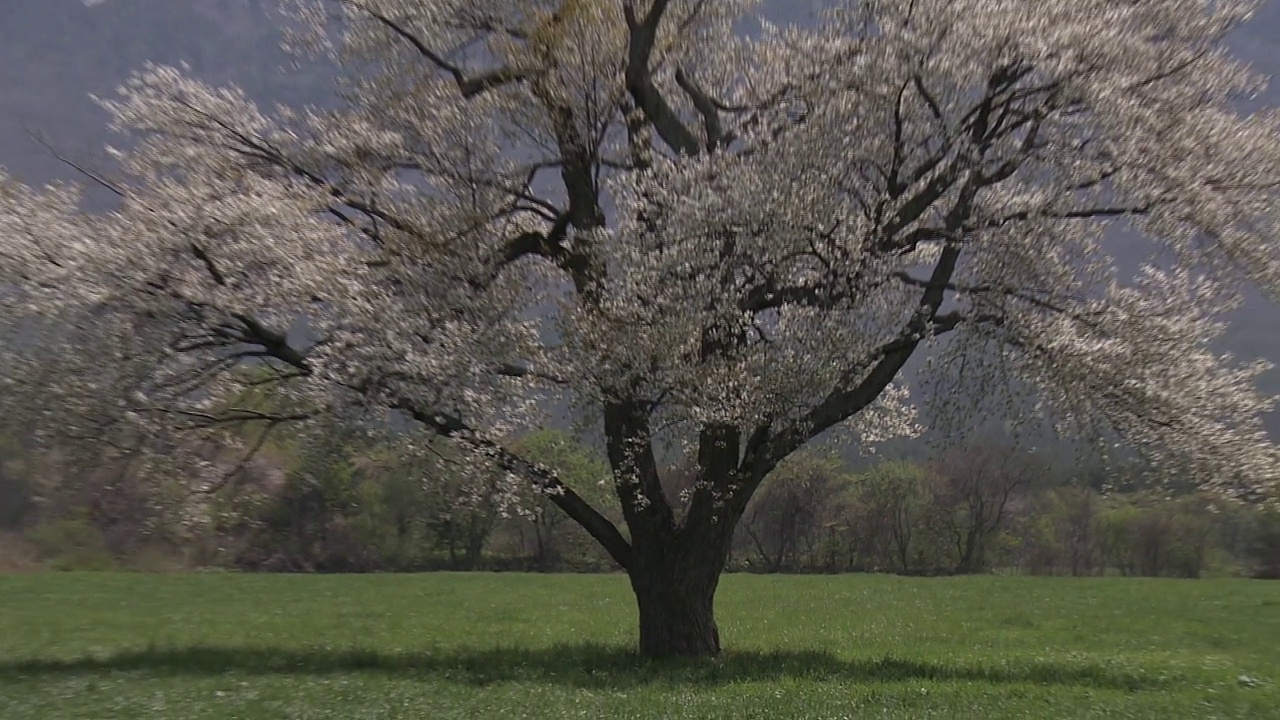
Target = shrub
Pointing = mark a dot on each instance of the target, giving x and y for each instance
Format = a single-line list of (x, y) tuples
[(71, 543)]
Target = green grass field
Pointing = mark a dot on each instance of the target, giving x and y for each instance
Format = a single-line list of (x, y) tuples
[(518, 646)]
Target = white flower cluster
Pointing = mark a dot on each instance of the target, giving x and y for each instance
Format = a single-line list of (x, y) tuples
[(738, 239)]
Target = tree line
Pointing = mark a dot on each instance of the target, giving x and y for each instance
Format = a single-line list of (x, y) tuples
[(334, 505)]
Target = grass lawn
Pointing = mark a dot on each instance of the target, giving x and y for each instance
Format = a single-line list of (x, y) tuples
[(442, 646)]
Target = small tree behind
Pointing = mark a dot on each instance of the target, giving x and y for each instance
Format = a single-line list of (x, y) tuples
[(892, 513), (974, 487), (785, 521)]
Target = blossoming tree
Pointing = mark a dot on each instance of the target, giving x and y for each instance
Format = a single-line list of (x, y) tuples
[(729, 241)]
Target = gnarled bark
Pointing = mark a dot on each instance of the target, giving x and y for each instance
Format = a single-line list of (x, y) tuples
[(675, 594)]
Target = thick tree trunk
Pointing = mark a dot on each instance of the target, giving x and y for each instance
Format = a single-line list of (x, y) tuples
[(676, 619), (676, 602)]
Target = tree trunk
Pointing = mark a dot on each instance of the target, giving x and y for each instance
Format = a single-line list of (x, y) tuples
[(676, 603), (453, 549)]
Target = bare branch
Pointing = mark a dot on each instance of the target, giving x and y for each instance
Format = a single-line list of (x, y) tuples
[(512, 370), (98, 179), (226, 417), (640, 80), (707, 108), (545, 479), (469, 86)]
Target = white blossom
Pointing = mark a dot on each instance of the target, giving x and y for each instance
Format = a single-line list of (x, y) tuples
[(734, 231)]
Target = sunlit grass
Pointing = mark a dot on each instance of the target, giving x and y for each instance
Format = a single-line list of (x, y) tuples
[(520, 646)]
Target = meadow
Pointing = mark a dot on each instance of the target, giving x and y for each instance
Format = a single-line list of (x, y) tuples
[(218, 645)]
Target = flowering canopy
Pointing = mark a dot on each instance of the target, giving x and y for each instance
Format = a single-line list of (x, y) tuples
[(734, 239)]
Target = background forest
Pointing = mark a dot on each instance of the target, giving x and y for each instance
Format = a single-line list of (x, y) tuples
[(339, 502)]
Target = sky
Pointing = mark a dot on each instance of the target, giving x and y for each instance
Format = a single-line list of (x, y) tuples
[(55, 53)]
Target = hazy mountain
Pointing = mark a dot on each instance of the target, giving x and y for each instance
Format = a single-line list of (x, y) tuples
[(55, 53)]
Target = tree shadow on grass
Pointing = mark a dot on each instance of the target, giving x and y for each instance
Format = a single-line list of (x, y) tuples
[(586, 665)]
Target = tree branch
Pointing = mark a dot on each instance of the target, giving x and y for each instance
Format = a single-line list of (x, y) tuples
[(451, 426), (718, 450), (229, 416), (707, 108), (512, 370), (469, 86), (1077, 214), (629, 445), (640, 80), (856, 390), (545, 479)]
